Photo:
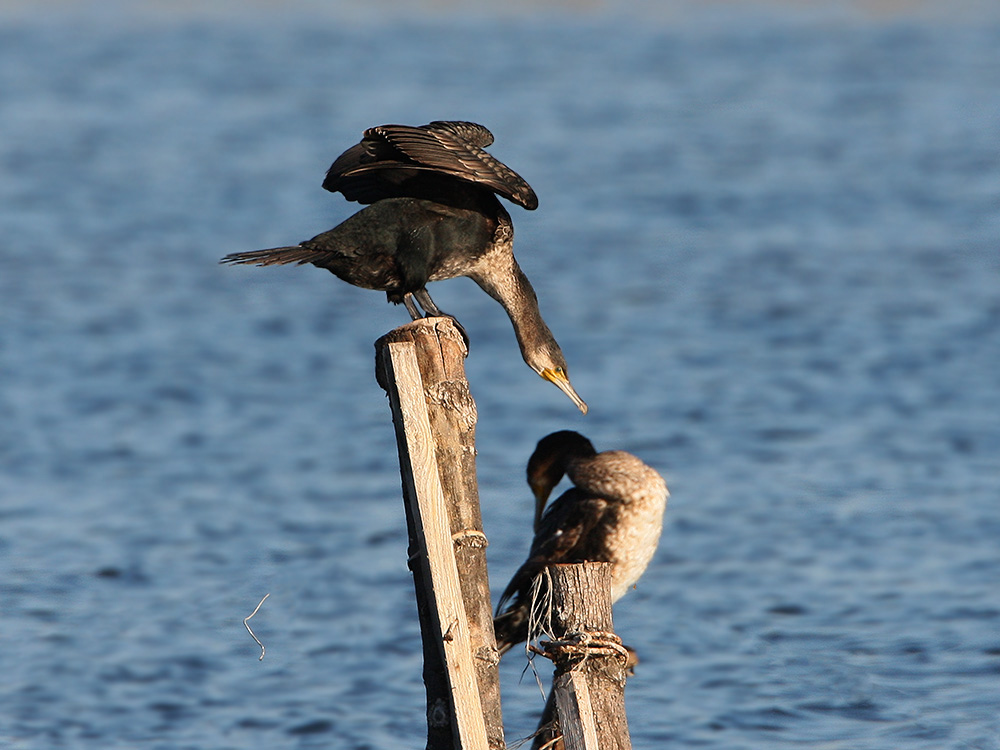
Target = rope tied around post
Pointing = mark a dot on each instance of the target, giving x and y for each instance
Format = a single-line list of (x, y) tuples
[(575, 648), (571, 611)]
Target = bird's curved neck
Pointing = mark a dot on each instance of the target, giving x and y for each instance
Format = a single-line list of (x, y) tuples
[(502, 278)]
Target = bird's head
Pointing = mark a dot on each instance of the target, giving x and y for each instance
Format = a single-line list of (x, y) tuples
[(558, 377), (510, 287), (549, 362), (548, 463)]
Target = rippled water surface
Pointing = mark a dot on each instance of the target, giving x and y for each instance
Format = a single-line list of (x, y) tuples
[(768, 246)]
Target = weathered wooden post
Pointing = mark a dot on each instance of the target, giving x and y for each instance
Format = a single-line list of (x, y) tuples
[(421, 367), (588, 690)]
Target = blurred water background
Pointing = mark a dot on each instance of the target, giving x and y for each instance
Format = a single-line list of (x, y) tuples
[(767, 242)]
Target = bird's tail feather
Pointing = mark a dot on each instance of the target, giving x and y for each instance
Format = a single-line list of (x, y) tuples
[(274, 256)]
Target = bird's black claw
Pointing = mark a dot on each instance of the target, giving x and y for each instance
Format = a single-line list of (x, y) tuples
[(458, 325), (433, 311), (461, 330)]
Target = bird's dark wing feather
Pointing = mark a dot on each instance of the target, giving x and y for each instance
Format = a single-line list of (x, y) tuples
[(470, 132), (563, 536), (454, 149), (445, 149), (370, 171)]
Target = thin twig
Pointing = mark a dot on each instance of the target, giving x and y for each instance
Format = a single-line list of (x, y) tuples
[(246, 624), (539, 620)]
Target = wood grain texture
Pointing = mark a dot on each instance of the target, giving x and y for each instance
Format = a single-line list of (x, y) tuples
[(576, 711), (421, 366), (434, 529), (594, 712)]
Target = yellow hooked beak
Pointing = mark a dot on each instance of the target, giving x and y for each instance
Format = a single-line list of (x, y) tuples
[(557, 376)]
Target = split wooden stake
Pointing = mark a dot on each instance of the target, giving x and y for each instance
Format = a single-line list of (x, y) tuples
[(589, 683), (420, 365)]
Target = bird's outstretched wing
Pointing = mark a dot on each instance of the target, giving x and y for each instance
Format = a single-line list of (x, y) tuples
[(391, 161), (470, 132)]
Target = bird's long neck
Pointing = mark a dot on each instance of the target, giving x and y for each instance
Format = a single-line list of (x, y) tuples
[(501, 278)]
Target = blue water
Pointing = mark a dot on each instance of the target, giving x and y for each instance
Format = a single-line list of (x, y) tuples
[(768, 244)]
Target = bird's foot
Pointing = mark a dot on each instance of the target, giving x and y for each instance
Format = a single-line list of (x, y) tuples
[(631, 662), (459, 326), (411, 307), (433, 311)]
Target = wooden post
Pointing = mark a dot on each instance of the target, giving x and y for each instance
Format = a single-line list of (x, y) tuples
[(589, 683), (421, 367)]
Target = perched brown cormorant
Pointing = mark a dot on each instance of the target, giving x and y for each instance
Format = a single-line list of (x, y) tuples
[(434, 215), (614, 514)]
